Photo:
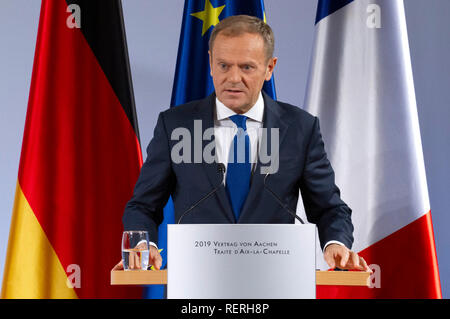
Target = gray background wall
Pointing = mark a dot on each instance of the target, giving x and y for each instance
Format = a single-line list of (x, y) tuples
[(153, 29)]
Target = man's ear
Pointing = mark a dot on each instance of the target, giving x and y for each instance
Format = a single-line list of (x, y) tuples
[(210, 62), (270, 68)]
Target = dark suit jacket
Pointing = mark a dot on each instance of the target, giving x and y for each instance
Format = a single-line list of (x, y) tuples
[(303, 165)]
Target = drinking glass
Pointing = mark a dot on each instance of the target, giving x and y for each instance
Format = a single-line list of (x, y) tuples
[(135, 250)]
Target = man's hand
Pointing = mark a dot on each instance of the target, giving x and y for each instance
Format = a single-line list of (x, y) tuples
[(154, 260), (340, 256)]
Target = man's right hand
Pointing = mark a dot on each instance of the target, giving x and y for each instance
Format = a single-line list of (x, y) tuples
[(154, 259)]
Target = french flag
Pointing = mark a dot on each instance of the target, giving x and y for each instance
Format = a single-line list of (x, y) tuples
[(361, 88)]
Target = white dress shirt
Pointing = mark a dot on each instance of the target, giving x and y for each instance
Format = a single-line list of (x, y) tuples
[(225, 130)]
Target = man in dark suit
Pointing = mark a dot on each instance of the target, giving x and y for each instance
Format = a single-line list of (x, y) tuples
[(231, 119)]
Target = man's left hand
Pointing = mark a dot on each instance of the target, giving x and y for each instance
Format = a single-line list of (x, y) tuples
[(341, 257)]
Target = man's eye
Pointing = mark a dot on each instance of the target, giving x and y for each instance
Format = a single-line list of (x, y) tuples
[(223, 66), (247, 67)]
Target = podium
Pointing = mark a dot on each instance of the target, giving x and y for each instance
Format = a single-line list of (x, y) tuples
[(241, 261)]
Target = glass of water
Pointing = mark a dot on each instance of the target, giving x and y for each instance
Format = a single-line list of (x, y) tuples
[(135, 250)]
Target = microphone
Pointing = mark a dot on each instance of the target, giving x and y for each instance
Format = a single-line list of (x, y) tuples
[(285, 206), (221, 169)]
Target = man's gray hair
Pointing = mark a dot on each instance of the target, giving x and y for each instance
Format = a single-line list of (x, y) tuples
[(240, 24)]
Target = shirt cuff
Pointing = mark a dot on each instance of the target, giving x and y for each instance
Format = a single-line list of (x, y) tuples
[(332, 242), (150, 243)]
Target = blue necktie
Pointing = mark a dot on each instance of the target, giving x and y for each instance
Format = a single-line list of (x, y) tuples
[(239, 167)]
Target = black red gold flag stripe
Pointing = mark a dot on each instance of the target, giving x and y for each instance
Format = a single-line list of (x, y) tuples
[(80, 158), (104, 31)]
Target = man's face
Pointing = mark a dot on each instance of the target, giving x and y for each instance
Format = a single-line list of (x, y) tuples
[(239, 67)]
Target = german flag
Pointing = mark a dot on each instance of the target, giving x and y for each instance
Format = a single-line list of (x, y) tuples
[(80, 158)]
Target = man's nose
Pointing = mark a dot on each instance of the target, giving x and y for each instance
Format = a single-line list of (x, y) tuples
[(235, 75)]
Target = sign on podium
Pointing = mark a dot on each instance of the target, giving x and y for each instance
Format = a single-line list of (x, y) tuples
[(241, 261)]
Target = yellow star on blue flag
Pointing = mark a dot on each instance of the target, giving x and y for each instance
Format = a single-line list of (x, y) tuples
[(209, 16)]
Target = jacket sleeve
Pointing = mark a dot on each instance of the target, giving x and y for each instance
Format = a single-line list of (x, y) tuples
[(144, 211), (321, 196)]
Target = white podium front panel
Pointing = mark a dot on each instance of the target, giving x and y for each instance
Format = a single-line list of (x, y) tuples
[(241, 261)]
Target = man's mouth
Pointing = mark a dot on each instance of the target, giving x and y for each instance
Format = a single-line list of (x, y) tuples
[(233, 91)]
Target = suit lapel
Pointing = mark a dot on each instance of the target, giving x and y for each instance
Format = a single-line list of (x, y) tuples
[(206, 115), (273, 118)]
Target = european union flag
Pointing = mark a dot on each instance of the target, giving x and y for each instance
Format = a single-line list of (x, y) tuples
[(192, 74)]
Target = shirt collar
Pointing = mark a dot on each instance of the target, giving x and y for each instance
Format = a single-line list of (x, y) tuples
[(255, 113)]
